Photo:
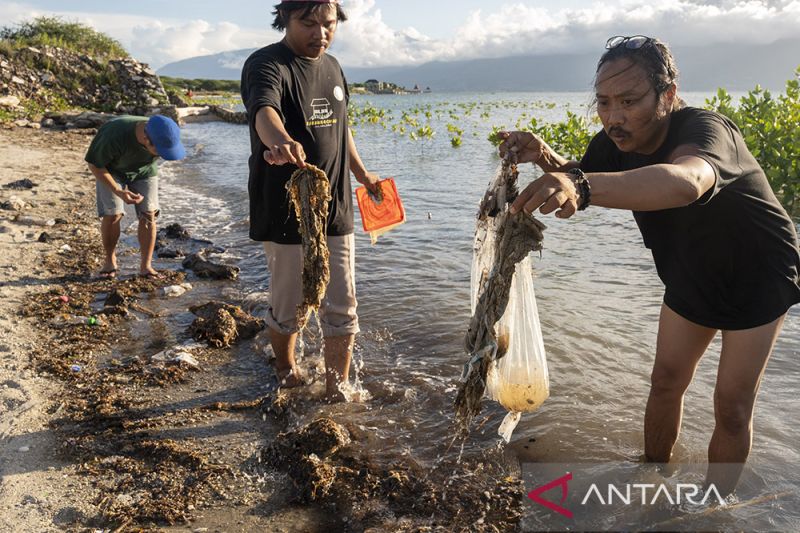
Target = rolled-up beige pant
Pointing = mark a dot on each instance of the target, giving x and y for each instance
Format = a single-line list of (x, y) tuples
[(337, 312)]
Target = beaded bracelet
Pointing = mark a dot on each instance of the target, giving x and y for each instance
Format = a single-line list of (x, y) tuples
[(582, 187)]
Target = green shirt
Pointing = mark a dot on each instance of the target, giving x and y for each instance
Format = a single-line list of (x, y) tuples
[(116, 149)]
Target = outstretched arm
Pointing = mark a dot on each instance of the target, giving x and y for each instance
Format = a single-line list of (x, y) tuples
[(530, 148), (651, 188), (281, 148)]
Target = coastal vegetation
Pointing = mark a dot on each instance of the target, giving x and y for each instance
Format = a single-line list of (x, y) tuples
[(769, 123), (49, 65), (199, 84), (56, 32), (423, 121), (53, 53), (200, 91), (771, 128)]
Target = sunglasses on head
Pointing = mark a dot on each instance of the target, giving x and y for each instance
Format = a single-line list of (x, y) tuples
[(634, 43)]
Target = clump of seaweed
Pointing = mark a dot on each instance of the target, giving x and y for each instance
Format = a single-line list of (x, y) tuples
[(309, 193), (222, 324), (330, 468)]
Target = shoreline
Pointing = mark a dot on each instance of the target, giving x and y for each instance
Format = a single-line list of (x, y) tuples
[(57, 421), (100, 432)]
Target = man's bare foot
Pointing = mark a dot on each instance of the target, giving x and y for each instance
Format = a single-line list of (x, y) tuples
[(107, 274), (335, 396), (289, 378), (150, 273), (109, 270)]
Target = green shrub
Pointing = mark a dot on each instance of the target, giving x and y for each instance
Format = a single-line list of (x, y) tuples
[(771, 129), (204, 85), (6, 48), (569, 138), (54, 31), (770, 126)]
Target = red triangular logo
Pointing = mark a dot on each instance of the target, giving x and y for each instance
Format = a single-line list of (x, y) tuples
[(562, 481)]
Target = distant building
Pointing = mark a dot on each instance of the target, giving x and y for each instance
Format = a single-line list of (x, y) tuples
[(385, 87), (375, 86)]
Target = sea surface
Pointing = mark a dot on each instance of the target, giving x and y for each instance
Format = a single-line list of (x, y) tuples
[(598, 298)]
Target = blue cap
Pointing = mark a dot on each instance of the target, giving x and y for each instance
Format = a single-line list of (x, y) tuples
[(165, 135)]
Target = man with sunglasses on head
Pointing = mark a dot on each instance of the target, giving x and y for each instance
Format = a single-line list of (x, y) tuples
[(296, 98), (723, 246), (122, 157)]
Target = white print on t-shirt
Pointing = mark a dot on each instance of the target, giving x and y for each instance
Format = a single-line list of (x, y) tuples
[(321, 109), (338, 93)]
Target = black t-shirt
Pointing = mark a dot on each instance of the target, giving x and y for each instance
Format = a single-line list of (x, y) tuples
[(729, 260), (311, 97)]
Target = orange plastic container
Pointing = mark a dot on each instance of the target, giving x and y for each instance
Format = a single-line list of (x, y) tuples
[(380, 217)]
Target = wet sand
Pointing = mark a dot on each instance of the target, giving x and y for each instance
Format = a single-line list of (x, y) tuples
[(91, 437), (97, 432)]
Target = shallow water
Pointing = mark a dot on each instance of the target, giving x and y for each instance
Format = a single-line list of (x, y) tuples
[(597, 292)]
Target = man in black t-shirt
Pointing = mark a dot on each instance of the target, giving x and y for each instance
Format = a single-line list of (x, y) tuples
[(296, 98), (724, 247)]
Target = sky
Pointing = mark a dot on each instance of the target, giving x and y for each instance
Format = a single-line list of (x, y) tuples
[(407, 32)]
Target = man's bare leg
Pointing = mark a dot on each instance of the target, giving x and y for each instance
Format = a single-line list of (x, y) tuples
[(338, 352), (741, 366), (285, 365), (679, 347), (109, 233), (147, 242)]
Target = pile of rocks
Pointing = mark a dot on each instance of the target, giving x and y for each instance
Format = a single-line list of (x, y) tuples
[(36, 80)]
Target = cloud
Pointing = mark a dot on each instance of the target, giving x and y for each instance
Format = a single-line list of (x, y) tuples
[(153, 40), (163, 42), (515, 28), (521, 28)]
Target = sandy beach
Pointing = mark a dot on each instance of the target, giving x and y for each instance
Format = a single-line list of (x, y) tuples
[(126, 422), (34, 489), (48, 479)]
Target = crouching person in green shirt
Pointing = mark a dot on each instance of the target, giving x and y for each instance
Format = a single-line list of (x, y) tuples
[(122, 157)]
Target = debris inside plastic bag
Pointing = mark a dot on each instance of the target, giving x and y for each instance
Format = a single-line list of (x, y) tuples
[(504, 340)]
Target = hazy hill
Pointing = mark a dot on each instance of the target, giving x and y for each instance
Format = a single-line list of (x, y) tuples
[(732, 66)]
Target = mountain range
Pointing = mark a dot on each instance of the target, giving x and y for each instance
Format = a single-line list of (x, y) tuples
[(734, 66)]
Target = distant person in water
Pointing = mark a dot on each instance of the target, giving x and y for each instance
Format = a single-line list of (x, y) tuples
[(122, 158), (296, 99), (723, 246)]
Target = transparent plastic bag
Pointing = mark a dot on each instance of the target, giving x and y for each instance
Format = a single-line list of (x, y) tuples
[(519, 380)]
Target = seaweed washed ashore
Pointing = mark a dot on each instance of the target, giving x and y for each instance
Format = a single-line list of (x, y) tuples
[(141, 436)]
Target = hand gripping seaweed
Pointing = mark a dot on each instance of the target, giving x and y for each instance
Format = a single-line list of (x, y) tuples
[(309, 193), (504, 341)]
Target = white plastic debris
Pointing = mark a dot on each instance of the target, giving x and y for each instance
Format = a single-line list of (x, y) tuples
[(176, 290), (508, 425), (186, 357), (178, 354)]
